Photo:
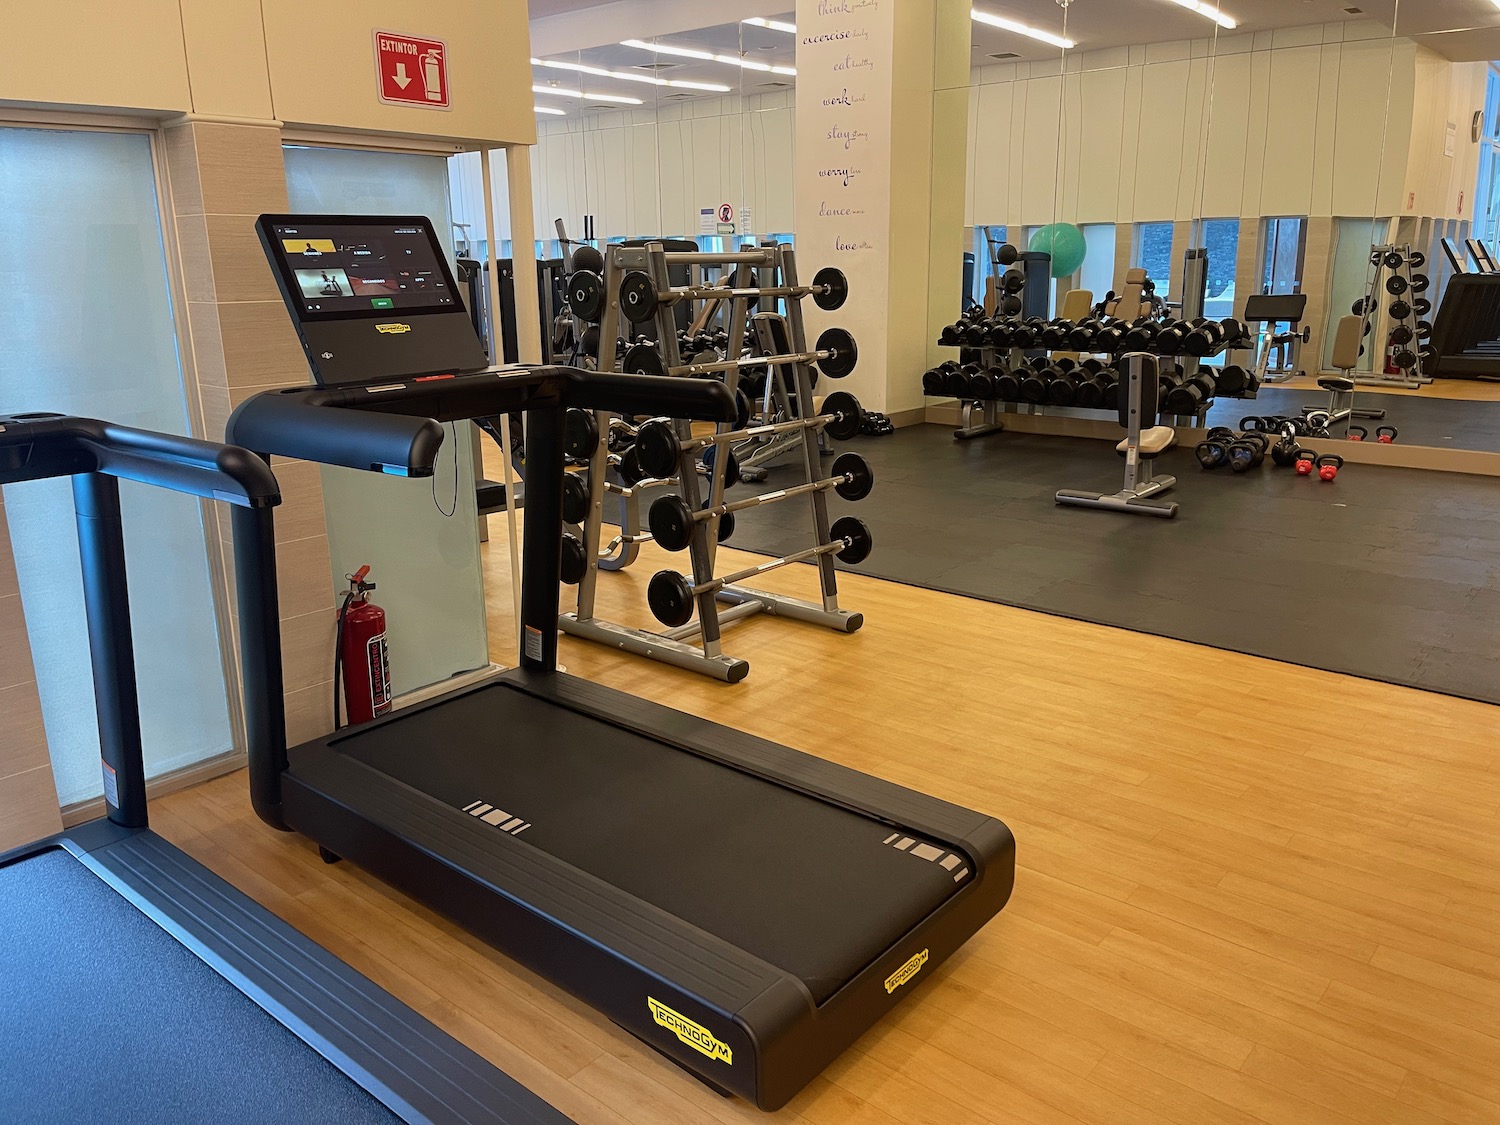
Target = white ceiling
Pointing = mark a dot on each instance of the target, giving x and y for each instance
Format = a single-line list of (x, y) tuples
[(1459, 29)]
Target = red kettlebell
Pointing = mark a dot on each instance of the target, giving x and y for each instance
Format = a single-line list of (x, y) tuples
[(1358, 433), (1329, 465), (1386, 435), (1306, 462)]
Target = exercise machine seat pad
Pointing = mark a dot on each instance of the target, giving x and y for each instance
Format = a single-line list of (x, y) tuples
[(811, 887), (1336, 383), (1346, 342), (1156, 440)]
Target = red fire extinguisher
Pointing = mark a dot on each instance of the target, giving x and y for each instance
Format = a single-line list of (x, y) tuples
[(1391, 367), (360, 652)]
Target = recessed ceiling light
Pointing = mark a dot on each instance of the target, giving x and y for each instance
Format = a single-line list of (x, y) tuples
[(707, 56), (564, 92), (1021, 29), (550, 109), (600, 72), (1210, 8), (791, 28)]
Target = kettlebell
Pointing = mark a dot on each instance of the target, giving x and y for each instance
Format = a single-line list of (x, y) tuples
[(1329, 465), (1213, 452), (1386, 435), (1248, 452), (1306, 462), (1286, 451), (1358, 433)]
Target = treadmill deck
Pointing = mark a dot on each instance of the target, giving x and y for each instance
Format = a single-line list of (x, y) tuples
[(813, 888)]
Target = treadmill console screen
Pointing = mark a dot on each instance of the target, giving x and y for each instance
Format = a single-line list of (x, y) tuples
[(352, 269)]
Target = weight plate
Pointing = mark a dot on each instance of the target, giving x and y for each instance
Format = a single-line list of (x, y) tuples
[(1400, 310), (1010, 305), (1418, 260), (843, 354), (843, 413), (586, 295), (1013, 281), (575, 498), (1362, 306), (1420, 282), (741, 408), (1395, 286), (581, 435), (588, 343), (670, 597), (671, 522), (1406, 359), (857, 540), (726, 527), (856, 476), (835, 288), (731, 466), (638, 298), (1394, 260), (1424, 329), (1422, 306), (631, 473), (1402, 334), (657, 448), (643, 359), (575, 563)]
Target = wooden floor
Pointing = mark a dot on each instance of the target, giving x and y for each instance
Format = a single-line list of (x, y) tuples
[(1247, 892), (1466, 390)]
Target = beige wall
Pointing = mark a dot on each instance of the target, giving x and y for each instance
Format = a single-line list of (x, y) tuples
[(305, 64), (1445, 92)]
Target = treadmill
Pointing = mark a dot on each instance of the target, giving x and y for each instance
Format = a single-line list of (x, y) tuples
[(139, 987), (746, 910)]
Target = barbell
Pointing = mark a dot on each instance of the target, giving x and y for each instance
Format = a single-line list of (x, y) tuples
[(671, 595), (659, 450), (835, 357), (639, 297), (672, 521)]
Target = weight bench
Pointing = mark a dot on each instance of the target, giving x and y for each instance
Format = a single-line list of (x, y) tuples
[(1340, 388), (1268, 310), (1140, 408)]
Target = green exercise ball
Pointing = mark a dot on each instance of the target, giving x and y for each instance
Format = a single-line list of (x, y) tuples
[(1065, 243)]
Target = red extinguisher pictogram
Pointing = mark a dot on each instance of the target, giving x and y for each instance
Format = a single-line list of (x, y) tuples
[(360, 653), (1391, 367)]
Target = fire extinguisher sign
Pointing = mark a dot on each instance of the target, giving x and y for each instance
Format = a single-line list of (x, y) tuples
[(411, 71)]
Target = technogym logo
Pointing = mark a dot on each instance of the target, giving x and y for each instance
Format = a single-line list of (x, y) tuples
[(906, 971), (393, 329), (695, 1035)]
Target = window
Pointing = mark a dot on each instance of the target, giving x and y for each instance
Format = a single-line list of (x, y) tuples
[(88, 328), (1285, 242), (1098, 272), (1153, 253), (1221, 237)]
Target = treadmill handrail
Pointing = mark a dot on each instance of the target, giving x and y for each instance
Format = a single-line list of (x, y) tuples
[(44, 445), (406, 435)]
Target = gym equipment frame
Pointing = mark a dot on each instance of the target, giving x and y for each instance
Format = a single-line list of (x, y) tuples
[(1139, 404)]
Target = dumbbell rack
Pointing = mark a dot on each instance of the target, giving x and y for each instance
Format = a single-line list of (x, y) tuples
[(1414, 378), (673, 647)]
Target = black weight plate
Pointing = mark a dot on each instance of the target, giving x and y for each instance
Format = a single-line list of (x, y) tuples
[(581, 435), (1420, 282), (856, 476), (1402, 334), (1421, 306), (1424, 329), (671, 522), (731, 466), (1362, 306), (844, 414), (638, 299), (1395, 286), (575, 498), (1013, 281), (630, 470), (643, 359), (1394, 260), (1010, 306), (1406, 359), (1418, 260), (575, 563), (588, 343), (586, 295), (858, 542), (657, 448), (844, 354), (835, 288), (1400, 310), (726, 527), (741, 408), (670, 597)]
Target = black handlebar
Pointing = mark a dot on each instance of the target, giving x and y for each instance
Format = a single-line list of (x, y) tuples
[(39, 446)]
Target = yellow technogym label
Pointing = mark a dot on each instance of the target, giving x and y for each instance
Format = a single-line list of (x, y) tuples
[(906, 971), (695, 1035), (393, 329)]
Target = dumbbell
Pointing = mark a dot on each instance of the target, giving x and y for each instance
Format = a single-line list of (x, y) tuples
[(952, 336), (1089, 391), (1055, 334), (1140, 335), (1190, 395), (933, 380), (660, 449), (1025, 335), (1013, 281), (1007, 384), (672, 521), (1081, 335), (1233, 380), (977, 333), (1248, 452), (670, 594), (639, 297), (982, 384), (1066, 378), (1034, 382), (1209, 337), (836, 356), (1329, 465), (1001, 332), (1110, 338), (1386, 435), (956, 383), (1170, 340)]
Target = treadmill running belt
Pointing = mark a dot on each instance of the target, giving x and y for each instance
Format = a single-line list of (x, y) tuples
[(107, 1017), (810, 887)]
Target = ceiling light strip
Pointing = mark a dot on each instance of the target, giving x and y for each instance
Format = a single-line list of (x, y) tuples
[(1211, 10), (706, 56), (550, 109), (564, 92), (1023, 29), (791, 28), (600, 72)]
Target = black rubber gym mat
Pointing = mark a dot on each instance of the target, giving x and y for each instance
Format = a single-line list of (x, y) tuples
[(808, 886), (1419, 420), (1388, 574)]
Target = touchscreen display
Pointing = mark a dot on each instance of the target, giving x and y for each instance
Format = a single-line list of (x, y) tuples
[(365, 268)]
